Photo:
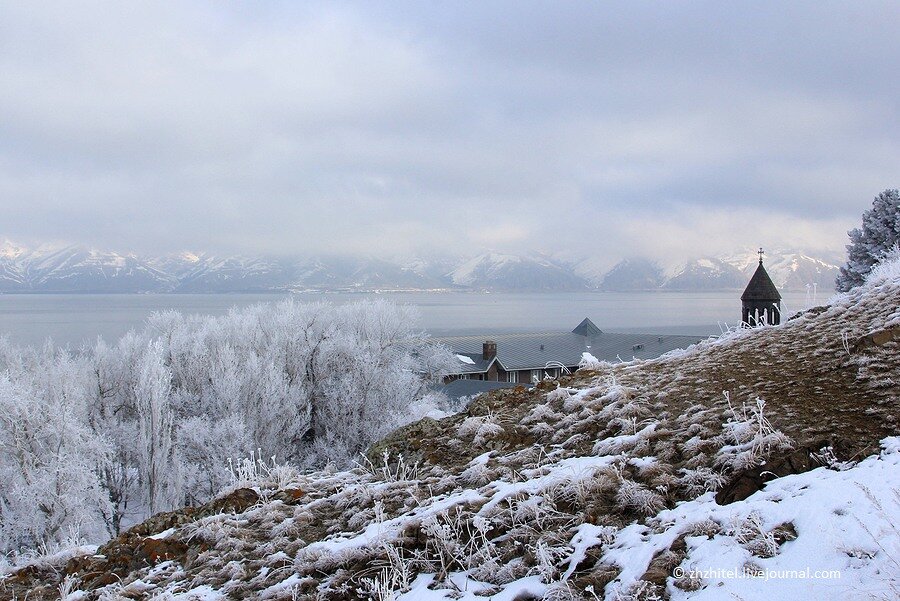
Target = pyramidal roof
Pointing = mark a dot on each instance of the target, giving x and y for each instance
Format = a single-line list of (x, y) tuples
[(587, 328), (761, 287)]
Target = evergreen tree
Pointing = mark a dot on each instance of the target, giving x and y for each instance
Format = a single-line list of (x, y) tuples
[(879, 234)]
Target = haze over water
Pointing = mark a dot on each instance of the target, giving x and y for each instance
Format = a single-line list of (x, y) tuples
[(71, 320)]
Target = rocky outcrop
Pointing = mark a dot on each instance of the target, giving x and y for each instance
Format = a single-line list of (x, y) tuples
[(747, 482), (878, 338), (146, 545)]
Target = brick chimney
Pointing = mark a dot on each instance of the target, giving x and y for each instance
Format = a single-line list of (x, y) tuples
[(488, 350)]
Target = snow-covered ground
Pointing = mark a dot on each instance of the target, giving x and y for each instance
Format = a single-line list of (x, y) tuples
[(846, 545)]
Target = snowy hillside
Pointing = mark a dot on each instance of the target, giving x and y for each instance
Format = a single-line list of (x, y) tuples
[(790, 270), (202, 273), (515, 272), (632, 274), (51, 268), (12, 276), (705, 274), (762, 465)]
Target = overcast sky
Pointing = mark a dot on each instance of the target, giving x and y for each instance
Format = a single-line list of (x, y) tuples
[(664, 129)]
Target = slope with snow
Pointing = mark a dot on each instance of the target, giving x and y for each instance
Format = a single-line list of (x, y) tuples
[(632, 275), (12, 276), (761, 465), (705, 274), (50, 268), (515, 272), (203, 273)]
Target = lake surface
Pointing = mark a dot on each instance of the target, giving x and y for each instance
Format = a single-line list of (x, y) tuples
[(73, 319)]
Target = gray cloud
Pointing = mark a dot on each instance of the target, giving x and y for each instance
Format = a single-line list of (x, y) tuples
[(657, 128)]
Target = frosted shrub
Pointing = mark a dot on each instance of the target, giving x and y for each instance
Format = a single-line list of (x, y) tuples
[(707, 528), (748, 437), (400, 471), (394, 577), (478, 474), (460, 541), (752, 534), (534, 512), (639, 591), (255, 472), (562, 591), (67, 587), (635, 442), (214, 530), (887, 269), (581, 489), (379, 588), (542, 414), (637, 497), (480, 428), (559, 394), (588, 361), (696, 482), (547, 558)]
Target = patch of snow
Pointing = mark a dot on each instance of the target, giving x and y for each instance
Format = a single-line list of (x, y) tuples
[(163, 534), (468, 589), (848, 544), (200, 593)]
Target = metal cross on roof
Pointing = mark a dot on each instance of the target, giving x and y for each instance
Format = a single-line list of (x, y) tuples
[(760, 252)]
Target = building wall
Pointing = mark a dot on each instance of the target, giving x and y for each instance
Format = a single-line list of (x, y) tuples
[(492, 373)]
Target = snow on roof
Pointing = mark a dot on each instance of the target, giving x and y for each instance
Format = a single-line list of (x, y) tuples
[(465, 359)]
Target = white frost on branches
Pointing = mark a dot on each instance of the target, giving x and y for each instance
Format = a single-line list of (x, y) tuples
[(871, 244), (98, 439)]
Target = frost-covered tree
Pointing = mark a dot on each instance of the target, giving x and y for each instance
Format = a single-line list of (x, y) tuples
[(112, 414), (50, 460), (307, 383), (880, 233), (151, 422), (156, 426), (367, 373)]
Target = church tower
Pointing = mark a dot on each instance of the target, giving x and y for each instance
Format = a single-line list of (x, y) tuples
[(761, 302)]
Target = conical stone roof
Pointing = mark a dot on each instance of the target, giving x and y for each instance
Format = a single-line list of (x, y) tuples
[(761, 287)]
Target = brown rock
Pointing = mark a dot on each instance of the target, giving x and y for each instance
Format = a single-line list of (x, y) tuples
[(744, 484), (663, 563), (154, 551), (877, 338), (291, 496), (236, 502)]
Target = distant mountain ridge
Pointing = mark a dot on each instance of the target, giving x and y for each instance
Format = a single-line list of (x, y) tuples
[(791, 270), (72, 269)]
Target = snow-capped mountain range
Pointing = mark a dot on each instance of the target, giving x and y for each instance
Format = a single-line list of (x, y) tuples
[(48, 268)]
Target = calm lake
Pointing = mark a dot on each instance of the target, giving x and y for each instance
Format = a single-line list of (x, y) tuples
[(72, 319)]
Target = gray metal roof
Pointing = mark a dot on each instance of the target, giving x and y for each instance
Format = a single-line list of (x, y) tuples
[(534, 351), (463, 388)]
